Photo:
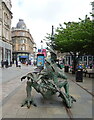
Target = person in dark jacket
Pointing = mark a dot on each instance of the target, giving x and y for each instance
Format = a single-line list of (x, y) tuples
[(16, 63), (6, 63), (2, 63)]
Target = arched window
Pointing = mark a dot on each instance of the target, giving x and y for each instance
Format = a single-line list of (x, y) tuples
[(23, 47)]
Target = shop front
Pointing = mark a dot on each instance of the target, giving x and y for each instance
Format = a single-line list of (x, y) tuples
[(22, 57), (5, 52)]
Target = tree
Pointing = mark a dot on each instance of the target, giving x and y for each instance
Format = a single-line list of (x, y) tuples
[(77, 38)]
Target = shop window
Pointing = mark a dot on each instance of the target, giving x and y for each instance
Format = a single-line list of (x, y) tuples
[(85, 58), (80, 58), (90, 58), (93, 58)]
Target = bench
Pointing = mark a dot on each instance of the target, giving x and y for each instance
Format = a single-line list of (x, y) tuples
[(90, 73)]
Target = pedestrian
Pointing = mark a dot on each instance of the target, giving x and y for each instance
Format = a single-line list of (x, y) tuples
[(19, 64), (7, 63), (27, 63), (2, 63), (10, 63), (16, 63)]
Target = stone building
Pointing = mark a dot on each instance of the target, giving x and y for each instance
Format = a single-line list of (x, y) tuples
[(5, 31), (22, 42)]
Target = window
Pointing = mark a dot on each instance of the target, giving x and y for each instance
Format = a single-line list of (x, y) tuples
[(90, 58), (13, 40), (7, 34), (85, 58), (5, 17), (80, 58), (0, 29), (20, 47), (22, 41), (23, 47), (13, 47), (0, 13)]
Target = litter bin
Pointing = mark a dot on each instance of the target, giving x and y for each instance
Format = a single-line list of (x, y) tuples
[(79, 75), (90, 66), (66, 69)]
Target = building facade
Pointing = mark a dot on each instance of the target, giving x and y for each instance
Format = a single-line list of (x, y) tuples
[(85, 59), (5, 31), (22, 41)]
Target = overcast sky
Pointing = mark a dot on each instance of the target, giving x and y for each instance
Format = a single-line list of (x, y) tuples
[(40, 15)]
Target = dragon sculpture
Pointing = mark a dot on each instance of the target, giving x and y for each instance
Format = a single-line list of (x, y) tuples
[(47, 83)]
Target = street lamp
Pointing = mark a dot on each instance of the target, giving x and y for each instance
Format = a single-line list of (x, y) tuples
[(52, 35), (41, 45), (35, 53)]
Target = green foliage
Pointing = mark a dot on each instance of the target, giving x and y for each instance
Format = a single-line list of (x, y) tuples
[(76, 37)]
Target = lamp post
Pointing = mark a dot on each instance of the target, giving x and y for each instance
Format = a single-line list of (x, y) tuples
[(35, 53), (41, 45), (52, 35)]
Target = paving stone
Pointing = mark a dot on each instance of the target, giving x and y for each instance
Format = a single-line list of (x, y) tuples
[(52, 108), (10, 111), (82, 116), (82, 109), (9, 116), (22, 112)]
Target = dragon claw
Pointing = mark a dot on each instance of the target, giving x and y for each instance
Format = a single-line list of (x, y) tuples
[(28, 102)]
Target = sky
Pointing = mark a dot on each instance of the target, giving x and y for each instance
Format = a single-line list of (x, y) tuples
[(40, 15)]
